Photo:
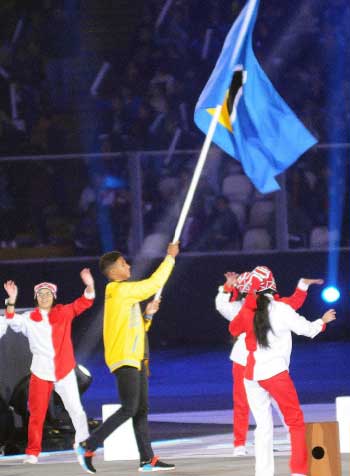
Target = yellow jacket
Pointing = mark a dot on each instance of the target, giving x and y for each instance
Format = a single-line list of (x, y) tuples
[(123, 325)]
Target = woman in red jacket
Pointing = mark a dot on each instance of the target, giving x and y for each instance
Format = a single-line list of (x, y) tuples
[(268, 325), (229, 301), (48, 329)]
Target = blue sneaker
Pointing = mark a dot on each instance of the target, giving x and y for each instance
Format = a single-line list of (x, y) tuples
[(85, 458), (155, 464)]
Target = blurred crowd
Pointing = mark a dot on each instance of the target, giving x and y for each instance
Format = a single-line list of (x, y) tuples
[(146, 102)]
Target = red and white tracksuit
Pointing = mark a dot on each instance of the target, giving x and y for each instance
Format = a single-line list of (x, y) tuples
[(52, 367), (228, 307), (266, 376)]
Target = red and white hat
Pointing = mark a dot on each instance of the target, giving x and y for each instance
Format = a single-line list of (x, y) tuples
[(243, 282), (50, 286), (266, 278)]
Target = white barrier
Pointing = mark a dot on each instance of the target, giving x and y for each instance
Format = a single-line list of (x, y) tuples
[(121, 444), (343, 418)]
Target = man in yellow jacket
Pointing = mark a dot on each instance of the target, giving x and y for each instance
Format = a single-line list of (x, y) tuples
[(126, 353)]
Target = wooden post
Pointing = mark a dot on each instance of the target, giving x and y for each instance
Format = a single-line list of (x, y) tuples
[(322, 440)]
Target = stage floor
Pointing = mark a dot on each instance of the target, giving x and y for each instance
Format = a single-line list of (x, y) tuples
[(200, 455), (191, 416), (207, 457)]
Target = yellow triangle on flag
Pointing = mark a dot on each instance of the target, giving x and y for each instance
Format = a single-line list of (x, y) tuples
[(224, 118)]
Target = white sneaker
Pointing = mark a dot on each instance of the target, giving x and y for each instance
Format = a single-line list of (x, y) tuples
[(31, 459), (239, 451)]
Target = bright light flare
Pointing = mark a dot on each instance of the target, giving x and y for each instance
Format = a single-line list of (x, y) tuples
[(330, 294)]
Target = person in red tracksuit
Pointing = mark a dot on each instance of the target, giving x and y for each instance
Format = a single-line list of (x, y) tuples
[(228, 302), (48, 329), (268, 325)]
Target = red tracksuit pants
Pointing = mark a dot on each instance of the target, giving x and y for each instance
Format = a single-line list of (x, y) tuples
[(240, 406), (281, 388), (38, 402)]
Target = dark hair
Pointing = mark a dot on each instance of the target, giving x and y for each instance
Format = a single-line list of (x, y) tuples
[(261, 320), (107, 260)]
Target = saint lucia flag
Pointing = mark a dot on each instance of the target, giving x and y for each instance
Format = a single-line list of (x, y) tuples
[(256, 126)]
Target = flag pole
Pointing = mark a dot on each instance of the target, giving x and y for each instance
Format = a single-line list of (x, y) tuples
[(197, 173), (248, 16), (205, 149), (195, 179)]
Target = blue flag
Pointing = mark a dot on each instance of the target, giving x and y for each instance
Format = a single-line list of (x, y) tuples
[(256, 126)]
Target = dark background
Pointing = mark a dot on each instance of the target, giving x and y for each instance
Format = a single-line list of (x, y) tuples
[(187, 314)]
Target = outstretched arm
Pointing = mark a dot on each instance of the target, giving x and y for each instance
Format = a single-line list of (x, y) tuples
[(329, 316), (301, 326), (297, 299)]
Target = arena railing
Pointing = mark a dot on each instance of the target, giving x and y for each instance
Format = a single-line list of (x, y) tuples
[(152, 167)]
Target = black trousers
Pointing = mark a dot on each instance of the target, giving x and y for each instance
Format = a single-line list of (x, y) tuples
[(132, 385)]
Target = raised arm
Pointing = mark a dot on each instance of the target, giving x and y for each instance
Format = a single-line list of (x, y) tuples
[(226, 299), (88, 280), (87, 299), (227, 308), (12, 292), (144, 289), (17, 322)]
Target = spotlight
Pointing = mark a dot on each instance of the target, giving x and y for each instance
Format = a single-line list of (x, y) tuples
[(330, 294), (84, 378)]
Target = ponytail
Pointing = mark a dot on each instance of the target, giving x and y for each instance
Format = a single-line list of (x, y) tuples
[(261, 321)]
